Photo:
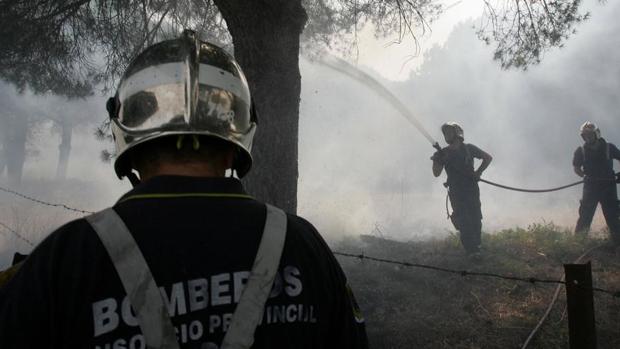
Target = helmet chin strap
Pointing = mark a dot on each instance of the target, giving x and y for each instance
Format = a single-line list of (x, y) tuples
[(133, 179)]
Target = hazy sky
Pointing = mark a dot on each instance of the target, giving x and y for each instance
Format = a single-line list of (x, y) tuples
[(363, 168), (395, 61)]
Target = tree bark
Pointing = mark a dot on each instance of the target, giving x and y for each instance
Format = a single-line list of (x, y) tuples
[(266, 36), (15, 147), (64, 149)]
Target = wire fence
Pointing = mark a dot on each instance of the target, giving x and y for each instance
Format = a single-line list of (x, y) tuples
[(18, 235), (42, 202), (462, 272)]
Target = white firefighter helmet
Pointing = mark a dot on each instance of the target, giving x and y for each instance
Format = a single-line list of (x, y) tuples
[(183, 87), (590, 127), (456, 127)]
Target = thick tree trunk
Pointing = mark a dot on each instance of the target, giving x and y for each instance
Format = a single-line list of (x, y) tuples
[(15, 147), (64, 149), (266, 39)]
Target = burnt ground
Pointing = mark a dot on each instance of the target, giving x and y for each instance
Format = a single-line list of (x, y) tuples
[(408, 307)]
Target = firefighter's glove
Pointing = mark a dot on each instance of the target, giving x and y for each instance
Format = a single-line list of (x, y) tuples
[(439, 157)]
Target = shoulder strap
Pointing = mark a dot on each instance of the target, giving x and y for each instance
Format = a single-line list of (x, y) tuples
[(137, 279), (608, 155), (249, 311), (583, 152)]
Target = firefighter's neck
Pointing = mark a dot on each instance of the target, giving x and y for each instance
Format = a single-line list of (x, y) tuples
[(456, 142), (593, 143), (187, 169)]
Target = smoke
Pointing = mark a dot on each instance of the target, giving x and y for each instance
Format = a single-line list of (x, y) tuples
[(349, 70), (358, 164), (90, 184), (362, 163)]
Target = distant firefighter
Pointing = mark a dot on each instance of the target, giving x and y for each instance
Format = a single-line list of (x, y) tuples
[(458, 160), (594, 162)]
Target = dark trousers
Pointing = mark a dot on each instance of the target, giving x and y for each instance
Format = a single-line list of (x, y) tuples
[(606, 194), (467, 215)]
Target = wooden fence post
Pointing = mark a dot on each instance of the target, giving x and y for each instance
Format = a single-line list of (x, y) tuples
[(580, 304)]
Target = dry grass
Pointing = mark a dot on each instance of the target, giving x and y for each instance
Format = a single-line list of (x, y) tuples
[(416, 308)]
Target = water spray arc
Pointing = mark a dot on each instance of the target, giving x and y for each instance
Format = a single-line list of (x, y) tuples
[(353, 72), (347, 69)]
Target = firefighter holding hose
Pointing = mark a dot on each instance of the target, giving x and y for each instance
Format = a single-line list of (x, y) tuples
[(458, 160), (594, 162)]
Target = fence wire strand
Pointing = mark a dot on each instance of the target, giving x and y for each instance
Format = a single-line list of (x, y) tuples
[(18, 235), (464, 273), (39, 201)]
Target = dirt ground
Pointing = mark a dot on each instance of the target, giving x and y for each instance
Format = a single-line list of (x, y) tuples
[(408, 307)]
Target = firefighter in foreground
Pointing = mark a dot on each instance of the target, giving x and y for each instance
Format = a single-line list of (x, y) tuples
[(458, 160), (186, 259), (594, 162)]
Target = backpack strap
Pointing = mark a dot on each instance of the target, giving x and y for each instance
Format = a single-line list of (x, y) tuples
[(249, 311), (607, 151), (608, 154), (134, 272)]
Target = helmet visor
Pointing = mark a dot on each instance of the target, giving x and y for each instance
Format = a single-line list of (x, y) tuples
[(158, 98)]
